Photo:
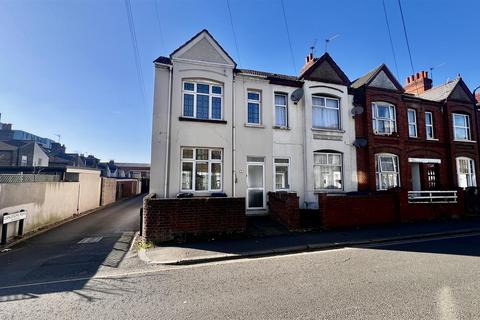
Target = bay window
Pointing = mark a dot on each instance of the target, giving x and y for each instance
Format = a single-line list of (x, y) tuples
[(466, 172), (461, 127), (325, 112), (383, 117), (282, 168), (202, 100), (281, 111), (327, 170), (387, 171), (201, 169)]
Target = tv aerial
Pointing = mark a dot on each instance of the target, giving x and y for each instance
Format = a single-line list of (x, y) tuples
[(327, 41), (434, 68)]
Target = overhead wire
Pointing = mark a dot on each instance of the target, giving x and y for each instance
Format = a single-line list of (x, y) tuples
[(406, 37), (288, 37), (391, 39)]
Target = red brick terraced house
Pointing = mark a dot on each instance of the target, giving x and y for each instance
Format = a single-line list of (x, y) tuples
[(415, 138)]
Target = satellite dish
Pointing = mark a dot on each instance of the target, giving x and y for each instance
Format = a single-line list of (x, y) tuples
[(360, 142), (357, 110), (296, 95)]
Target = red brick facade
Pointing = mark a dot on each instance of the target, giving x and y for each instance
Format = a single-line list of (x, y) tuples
[(443, 147), (176, 219), (284, 207)]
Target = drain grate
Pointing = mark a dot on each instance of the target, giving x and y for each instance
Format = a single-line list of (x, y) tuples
[(90, 240)]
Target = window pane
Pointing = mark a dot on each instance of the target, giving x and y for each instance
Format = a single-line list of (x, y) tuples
[(460, 120), (332, 103), (253, 96), (202, 106), (253, 113), (255, 176), (428, 118), (216, 154), (255, 198), (429, 132), (280, 116), (386, 164), (202, 154), (201, 176), (203, 88), (383, 112), (216, 89), (320, 158), (281, 99), (286, 161), (187, 174), (188, 86), (412, 130), (335, 159), (188, 105), (318, 101), (281, 177), (216, 108), (411, 116), (187, 153), (461, 134), (216, 176)]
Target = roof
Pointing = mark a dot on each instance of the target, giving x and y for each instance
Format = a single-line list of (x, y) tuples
[(308, 71), (134, 165), (440, 92), (366, 77), (6, 146), (266, 74), (163, 60)]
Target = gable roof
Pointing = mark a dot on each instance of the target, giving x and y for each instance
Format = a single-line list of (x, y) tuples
[(370, 76), (324, 75), (447, 90), (163, 60), (205, 33)]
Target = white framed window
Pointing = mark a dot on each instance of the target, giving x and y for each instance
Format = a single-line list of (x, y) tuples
[(24, 161), (281, 167), (461, 127), (387, 171), (281, 110), (327, 170), (201, 169), (384, 118), (412, 123), (254, 111), (325, 112), (429, 125), (466, 172), (202, 100)]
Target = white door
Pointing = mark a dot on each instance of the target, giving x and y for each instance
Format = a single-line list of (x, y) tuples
[(255, 185)]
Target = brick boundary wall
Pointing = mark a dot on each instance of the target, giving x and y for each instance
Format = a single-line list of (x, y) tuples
[(284, 207), (109, 191), (176, 219), (381, 208)]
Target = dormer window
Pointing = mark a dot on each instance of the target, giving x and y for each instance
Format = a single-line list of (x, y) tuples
[(383, 118), (202, 100)]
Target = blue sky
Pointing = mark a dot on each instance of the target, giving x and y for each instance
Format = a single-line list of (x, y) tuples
[(67, 67)]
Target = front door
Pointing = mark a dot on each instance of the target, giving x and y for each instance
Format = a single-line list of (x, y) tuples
[(255, 185)]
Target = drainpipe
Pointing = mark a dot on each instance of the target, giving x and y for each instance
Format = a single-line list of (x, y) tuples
[(167, 151), (234, 171), (476, 115), (305, 162)]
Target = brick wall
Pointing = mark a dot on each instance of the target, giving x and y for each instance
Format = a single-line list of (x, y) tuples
[(109, 190), (284, 207), (380, 208), (176, 219)]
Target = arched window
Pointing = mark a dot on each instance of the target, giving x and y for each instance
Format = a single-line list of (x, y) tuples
[(384, 120), (466, 172), (387, 171), (327, 169), (202, 100)]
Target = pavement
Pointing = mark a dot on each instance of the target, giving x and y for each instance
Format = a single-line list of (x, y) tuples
[(218, 250)]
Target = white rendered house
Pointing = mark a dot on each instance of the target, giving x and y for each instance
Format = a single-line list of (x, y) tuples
[(220, 129)]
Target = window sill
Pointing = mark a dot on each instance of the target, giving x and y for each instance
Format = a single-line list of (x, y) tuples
[(466, 141), (202, 120), (339, 191), (281, 128), (328, 130), (252, 125), (432, 139)]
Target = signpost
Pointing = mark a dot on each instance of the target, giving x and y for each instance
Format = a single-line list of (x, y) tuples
[(12, 217)]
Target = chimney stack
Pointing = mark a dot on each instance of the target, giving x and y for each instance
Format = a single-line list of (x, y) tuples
[(418, 83)]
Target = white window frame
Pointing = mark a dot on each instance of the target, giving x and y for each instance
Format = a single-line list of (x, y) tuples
[(285, 106), (326, 107), (379, 171), (275, 165), (469, 175), (194, 162), (330, 165), (414, 123), (429, 125), (376, 119), (210, 95), (259, 103), (467, 127)]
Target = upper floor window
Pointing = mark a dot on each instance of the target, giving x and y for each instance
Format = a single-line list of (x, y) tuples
[(384, 119), (429, 125), (466, 172), (387, 171), (202, 100), (281, 110), (325, 112), (412, 123), (461, 127), (253, 108), (327, 170), (201, 169)]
